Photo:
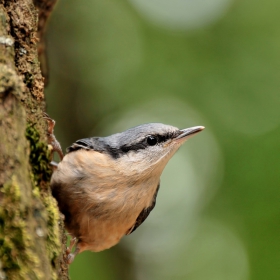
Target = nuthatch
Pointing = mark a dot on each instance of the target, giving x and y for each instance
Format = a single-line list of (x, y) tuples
[(107, 186)]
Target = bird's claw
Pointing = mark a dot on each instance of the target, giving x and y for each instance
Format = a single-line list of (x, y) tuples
[(51, 137), (71, 256)]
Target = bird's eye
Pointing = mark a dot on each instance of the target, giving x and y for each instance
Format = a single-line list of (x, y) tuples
[(152, 140)]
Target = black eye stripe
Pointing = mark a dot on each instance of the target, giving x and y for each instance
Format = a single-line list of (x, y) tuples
[(143, 144), (120, 146), (140, 145)]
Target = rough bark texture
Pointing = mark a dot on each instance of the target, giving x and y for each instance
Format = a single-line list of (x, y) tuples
[(31, 231)]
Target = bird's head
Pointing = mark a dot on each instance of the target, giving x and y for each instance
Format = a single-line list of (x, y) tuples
[(146, 148)]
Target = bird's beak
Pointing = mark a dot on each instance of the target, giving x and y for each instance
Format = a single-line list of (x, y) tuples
[(188, 132)]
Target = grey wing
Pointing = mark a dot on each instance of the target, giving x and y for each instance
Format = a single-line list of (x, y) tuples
[(144, 213), (92, 143)]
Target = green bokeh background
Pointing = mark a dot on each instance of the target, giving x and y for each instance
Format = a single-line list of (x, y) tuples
[(111, 67)]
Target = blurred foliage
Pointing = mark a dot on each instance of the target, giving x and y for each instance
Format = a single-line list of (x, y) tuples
[(112, 66)]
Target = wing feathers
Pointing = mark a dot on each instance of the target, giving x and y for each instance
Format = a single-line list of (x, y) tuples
[(86, 143)]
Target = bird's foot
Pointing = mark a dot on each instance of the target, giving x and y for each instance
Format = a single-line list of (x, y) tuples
[(73, 242), (51, 138), (71, 256)]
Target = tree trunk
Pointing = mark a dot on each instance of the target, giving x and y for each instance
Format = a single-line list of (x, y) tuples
[(31, 230)]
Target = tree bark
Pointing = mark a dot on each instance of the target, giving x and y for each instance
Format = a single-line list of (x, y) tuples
[(32, 239)]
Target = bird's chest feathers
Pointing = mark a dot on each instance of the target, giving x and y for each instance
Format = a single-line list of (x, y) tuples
[(127, 195), (140, 195), (138, 185), (120, 188)]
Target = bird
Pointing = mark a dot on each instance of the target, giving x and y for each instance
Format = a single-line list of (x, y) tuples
[(107, 186)]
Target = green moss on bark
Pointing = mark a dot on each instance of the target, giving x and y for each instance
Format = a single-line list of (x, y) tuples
[(39, 157), (15, 243), (30, 240), (40, 161), (53, 237)]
